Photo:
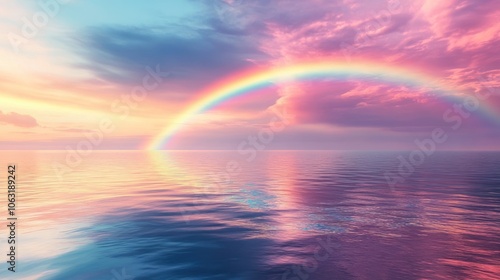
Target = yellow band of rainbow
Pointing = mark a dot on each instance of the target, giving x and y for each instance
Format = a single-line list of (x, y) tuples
[(246, 82)]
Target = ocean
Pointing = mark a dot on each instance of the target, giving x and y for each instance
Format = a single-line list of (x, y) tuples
[(284, 215)]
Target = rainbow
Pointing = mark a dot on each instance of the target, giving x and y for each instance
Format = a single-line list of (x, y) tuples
[(247, 82)]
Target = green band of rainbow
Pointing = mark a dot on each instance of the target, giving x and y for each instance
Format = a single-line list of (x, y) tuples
[(247, 82)]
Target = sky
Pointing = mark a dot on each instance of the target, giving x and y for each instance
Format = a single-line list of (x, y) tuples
[(116, 74)]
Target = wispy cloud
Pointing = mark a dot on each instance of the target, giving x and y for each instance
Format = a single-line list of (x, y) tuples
[(19, 120), (79, 67)]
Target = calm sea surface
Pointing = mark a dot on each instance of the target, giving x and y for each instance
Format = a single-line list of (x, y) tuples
[(284, 215)]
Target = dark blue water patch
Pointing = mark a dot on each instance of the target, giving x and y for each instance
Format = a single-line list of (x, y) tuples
[(156, 247)]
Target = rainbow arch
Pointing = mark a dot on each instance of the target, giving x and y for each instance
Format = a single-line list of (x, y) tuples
[(246, 82)]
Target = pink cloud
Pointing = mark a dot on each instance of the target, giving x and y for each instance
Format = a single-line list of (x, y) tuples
[(456, 41), (354, 104), (439, 35), (16, 119)]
